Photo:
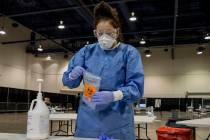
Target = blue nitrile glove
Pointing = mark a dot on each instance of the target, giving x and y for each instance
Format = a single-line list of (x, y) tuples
[(76, 72), (103, 98), (88, 103), (104, 137)]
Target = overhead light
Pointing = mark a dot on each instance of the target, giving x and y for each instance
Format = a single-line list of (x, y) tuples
[(132, 18), (40, 49), (48, 58), (200, 50), (142, 41), (148, 53), (207, 37), (87, 42), (61, 25), (2, 32)]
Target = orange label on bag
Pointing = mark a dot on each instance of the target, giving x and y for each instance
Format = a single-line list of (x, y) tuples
[(89, 91)]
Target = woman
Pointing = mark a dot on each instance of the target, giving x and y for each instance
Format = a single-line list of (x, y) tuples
[(122, 80)]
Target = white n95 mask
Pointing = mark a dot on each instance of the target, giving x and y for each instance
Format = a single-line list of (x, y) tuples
[(106, 42)]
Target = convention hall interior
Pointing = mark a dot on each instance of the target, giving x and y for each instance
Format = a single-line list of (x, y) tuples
[(40, 39)]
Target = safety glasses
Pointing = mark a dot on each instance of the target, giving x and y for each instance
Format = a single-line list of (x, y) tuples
[(112, 33)]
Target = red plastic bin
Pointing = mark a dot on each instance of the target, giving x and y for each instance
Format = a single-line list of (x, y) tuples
[(171, 133)]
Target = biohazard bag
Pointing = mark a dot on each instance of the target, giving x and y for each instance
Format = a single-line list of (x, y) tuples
[(171, 133), (91, 86)]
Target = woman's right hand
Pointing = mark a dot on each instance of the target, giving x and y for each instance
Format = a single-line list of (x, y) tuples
[(76, 72)]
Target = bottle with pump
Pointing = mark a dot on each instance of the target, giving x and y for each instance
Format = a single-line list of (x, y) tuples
[(38, 118)]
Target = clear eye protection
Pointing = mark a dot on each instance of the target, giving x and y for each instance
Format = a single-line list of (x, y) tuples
[(113, 33)]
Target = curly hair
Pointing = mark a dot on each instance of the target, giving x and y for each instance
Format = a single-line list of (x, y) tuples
[(104, 12)]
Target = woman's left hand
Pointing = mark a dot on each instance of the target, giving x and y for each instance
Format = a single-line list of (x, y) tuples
[(103, 98)]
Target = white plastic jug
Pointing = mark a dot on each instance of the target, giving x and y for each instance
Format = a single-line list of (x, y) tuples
[(38, 118)]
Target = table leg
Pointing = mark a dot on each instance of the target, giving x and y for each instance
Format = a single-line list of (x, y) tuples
[(138, 131), (67, 128), (146, 131), (194, 133), (147, 137), (51, 127), (59, 125), (72, 127)]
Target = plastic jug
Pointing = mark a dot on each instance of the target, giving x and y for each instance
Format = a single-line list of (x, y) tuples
[(38, 118)]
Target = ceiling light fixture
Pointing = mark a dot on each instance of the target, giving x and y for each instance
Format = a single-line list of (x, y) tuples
[(142, 41), (48, 58), (200, 50), (61, 25), (40, 49), (148, 53), (133, 17), (2, 32), (207, 37)]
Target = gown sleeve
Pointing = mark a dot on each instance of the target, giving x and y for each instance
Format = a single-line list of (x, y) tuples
[(77, 60), (133, 88)]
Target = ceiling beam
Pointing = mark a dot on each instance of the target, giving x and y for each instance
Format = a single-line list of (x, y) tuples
[(85, 8), (21, 41), (43, 36), (135, 44), (53, 27), (154, 39), (127, 33), (172, 16), (82, 12), (125, 12), (46, 51), (62, 9), (174, 29)]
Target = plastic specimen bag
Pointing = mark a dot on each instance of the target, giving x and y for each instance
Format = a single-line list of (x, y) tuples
[(91, 86)]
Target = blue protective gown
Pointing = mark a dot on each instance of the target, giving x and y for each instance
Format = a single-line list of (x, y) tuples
[(120, 69)]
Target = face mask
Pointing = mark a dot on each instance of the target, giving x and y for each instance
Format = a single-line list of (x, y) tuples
[(106, 42)]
